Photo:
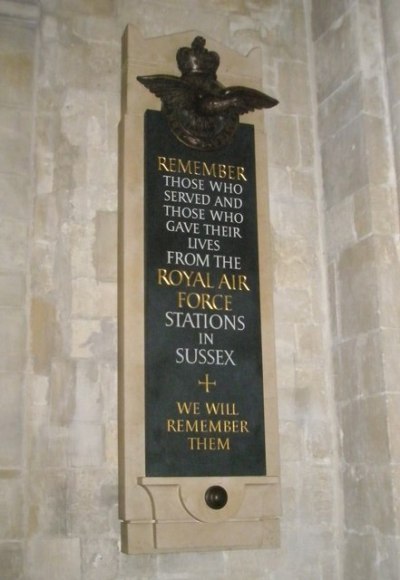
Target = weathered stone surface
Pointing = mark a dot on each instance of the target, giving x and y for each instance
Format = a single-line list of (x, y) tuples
[(12, 289), (12, 560), (368, 499), (337, 59), (54, 558), (364, 422), (357, 289), (12, 339), (11, 505), (293, 88), (106, 244), (43, 334), (340, 108), (324, 15), (344, 162), (284, 138)]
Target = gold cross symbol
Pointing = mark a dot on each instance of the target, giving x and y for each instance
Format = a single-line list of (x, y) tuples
[(207, 383)]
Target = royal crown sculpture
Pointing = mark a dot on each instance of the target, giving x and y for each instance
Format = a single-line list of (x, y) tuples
[(201, 112)]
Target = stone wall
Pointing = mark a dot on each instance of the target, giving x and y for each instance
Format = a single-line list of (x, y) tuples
[(351, 44), (17, 56), (59, 111)]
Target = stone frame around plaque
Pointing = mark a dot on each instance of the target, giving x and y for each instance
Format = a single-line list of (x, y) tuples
[(171, 513)]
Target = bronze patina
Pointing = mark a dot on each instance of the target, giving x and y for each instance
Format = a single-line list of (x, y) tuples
[(201, 112)]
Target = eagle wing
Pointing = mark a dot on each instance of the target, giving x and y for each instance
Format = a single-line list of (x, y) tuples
[(173, 91), (244, 99)]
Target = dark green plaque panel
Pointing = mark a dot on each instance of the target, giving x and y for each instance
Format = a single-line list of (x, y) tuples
[(204, 392)]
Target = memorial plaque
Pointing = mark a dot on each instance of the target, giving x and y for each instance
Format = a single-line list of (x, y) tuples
[(198, 442), (204, 389)]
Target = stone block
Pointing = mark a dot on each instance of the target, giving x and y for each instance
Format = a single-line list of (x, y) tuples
[(370, 556), (340, 228), (384, 210), (283, 138), (106, 246), (391, 24), (103, 66), (316, 493), (368, 500), (388, 270), (14, 195), (92, 299), (333, 312), (14, 140), (364, 426), (294, 261), (45, 219), (12, 289), (292, 306), (344, 162), (11, 505), (319, 443), (324, 15), (362, 212), (291, 33), (374, 94), (111, 443), (16, 77), (377, 148), (309, 342), (291, 441), (359, 556), (86, 444), (393, 409), (11, 561), (369, 364), (82, 239), (340, 108), (337, 54), (303, 186), (50, 557), (357, 289), (43, 334), (394, 79), (396, 136), (307, 144), (47, 502), (293, 88), (62, 400), (89, 7), (390, 339), (310, 394), (88, 397), (83, 337), (100, 558), (295, 219), (12, 339), (13, 244), (345, 371)]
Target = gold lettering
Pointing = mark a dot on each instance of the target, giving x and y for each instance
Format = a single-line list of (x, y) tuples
[(196, 167), (171, 425), (182, 168), (195, 300), (208, 444), (162, 164), (240, 174)]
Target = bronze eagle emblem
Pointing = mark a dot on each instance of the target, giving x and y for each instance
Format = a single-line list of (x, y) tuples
[(201, 112)]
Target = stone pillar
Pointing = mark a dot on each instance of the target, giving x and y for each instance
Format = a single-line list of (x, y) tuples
[(17, 49), (362, 225), (391, 23)]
